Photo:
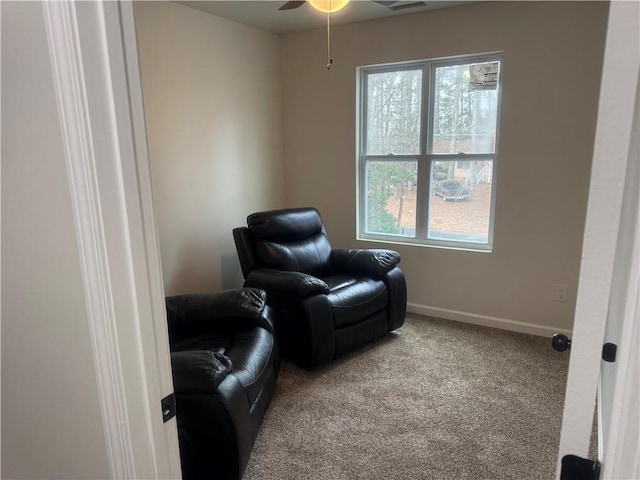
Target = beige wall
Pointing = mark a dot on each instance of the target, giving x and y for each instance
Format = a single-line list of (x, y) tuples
[(51, 414), (213, 111), (240, 120), (552, 64)]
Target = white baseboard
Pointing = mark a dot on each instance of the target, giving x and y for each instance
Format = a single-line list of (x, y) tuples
[(486, 321)]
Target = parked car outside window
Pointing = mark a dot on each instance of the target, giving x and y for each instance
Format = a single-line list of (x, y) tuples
[(451, 190)]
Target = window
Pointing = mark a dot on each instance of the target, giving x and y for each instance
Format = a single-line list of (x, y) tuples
[(428, 150)]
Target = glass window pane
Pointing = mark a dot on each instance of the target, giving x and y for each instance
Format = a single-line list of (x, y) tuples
[(465, 108), (393, 113), (391, 197), (460, 204)]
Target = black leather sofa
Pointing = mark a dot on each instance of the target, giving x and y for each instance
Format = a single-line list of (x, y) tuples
[(225, 363), (326, 301)]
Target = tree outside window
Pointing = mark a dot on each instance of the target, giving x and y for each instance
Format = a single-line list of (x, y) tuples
[(428, 151)]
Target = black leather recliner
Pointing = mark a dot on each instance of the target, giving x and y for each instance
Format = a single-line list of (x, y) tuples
[(326, 301), (225, 362)]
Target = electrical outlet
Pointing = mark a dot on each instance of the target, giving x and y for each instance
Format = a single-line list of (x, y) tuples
[(561, 293)]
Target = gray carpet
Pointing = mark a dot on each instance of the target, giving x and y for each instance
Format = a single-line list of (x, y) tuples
[(434, 400)]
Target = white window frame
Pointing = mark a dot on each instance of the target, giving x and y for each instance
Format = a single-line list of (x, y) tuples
[(424, 158)]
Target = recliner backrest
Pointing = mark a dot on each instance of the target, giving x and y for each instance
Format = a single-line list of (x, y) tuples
[(291, 239)]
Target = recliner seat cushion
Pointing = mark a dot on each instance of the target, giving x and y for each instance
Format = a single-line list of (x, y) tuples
[(249, 350), (353, 299), (251, 357)]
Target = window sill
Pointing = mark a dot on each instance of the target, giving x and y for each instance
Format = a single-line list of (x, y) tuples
[(458, 246)]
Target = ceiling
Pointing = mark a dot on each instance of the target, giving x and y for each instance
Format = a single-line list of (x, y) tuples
[(264, 14)]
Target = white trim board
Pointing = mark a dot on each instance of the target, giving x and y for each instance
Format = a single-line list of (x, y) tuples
[(81, 160), (486, 321), (100, 108)]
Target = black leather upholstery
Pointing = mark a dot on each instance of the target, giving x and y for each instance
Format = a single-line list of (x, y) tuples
[(326, 301), (225, 363)]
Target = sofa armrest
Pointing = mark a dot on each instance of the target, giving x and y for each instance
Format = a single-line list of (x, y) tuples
[(215, 431), (198, 371), (191, 314), (289, 283), (373, 262)]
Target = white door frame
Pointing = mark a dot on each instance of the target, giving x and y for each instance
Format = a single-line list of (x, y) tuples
[(611, 155), (619, 425), (95, 69)]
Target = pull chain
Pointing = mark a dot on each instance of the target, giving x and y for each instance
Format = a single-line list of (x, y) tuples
[(329, 59)]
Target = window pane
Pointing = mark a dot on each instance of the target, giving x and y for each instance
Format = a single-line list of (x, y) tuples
[(460, 204), (465, 108), (393, 113), (391, 197)]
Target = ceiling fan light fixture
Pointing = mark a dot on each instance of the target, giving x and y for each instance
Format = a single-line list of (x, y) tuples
[(328, 6)]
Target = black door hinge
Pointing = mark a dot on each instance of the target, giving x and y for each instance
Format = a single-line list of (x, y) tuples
[(168, 405), (609, 352), (578, 468)]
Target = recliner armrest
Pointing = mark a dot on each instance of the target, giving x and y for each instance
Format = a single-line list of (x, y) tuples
[(198, 371), (290, 283), (195, 313), (374, 262)]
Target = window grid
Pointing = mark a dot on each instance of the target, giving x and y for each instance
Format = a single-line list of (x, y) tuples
[(427, 156)]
